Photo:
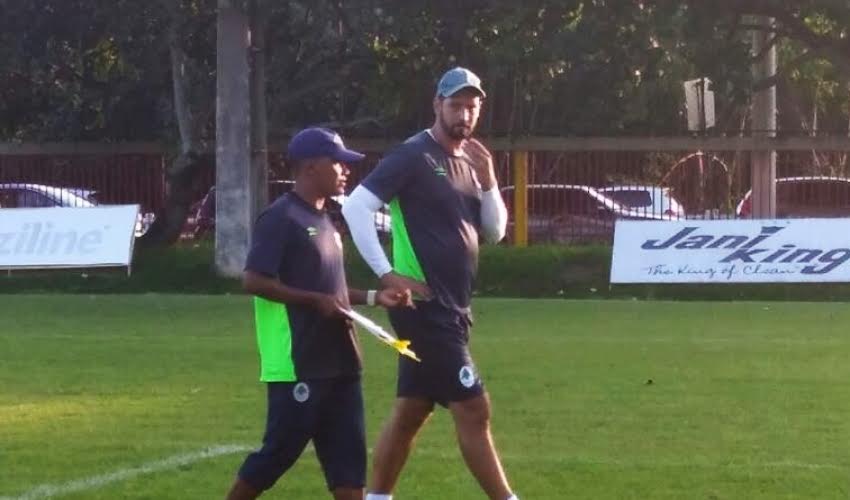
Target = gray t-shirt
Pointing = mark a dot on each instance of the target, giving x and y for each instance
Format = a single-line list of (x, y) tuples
[(297, 244), (435, 203)]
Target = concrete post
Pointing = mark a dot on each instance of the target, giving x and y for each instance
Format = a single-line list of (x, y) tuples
[(259, 123), (763, 166), (234, 206)]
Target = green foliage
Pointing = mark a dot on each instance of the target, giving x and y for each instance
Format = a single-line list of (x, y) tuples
[(78, 70), (81, 70), (72, 70), (579, 272), (184, 269)]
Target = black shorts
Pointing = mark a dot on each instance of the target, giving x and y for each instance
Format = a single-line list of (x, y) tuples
[(440, 339), (330, 412)]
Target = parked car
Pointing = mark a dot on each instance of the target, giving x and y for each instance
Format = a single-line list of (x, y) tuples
[(22, 195), (806, 196), (28, 195), (202, 220), (571, 213), (646, 198)]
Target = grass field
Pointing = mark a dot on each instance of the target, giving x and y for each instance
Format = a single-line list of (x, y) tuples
[(111, 397)]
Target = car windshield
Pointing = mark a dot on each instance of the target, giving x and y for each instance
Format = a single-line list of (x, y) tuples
[(631, 197), (34, 196), (85, 194), (67, 198)]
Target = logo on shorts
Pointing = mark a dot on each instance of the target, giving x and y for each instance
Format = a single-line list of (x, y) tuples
[(301, 392), (467, 376)]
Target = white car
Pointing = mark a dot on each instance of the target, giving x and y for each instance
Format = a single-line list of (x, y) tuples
[(28, 195), (645, 198)]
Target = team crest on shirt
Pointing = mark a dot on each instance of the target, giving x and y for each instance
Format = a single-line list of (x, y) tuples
[(301, 392), (467, 376), (435, 165), (312, 231)]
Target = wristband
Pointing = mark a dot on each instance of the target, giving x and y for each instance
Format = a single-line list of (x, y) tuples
[(370, 297)]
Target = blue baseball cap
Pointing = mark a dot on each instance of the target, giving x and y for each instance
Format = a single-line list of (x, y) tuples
[(315, 142), (457, 79)]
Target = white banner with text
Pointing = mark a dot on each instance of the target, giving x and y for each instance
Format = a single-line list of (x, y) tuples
[(67, 237), (731, 251)]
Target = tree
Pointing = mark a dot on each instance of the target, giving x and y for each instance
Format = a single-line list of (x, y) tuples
[(122, 70), (192, 70), (71, 72)]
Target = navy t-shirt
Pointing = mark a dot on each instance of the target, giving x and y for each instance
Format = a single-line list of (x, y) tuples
[(297, 244), (435, 203)]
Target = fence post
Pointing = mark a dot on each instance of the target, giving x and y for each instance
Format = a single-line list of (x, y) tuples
[(519, 165)]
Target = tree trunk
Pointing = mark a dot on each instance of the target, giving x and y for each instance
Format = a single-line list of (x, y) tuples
[(182, 172), (169, 222)]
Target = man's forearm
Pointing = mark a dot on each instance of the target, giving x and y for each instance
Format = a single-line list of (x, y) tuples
[(494, 215), (359, 212)]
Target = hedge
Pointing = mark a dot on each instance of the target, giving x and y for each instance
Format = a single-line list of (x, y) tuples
[(578, 272)]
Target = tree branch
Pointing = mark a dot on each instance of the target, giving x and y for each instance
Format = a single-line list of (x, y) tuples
[(782, 73), (792, 25)]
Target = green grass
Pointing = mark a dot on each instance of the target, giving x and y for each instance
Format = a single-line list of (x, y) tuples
[(747, 400)]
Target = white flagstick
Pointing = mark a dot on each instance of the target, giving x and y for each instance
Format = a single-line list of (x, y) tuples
[(402, 346)]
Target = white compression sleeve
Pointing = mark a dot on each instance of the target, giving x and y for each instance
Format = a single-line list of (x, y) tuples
[(494, 215), (359, 212)]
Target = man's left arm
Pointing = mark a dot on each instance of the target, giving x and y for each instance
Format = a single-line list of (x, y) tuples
[(494, 214)]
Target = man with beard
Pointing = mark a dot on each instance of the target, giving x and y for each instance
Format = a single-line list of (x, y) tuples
[(441, 188)]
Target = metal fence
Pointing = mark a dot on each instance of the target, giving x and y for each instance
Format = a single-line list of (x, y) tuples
[(572, 196), (35, 180)]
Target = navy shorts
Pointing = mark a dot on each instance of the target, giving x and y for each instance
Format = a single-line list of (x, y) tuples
[(440, 339), (330, 413)]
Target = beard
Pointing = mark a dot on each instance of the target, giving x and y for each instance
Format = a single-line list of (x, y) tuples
[(457, 132)]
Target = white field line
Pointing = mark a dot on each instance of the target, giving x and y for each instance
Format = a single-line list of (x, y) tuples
[(94, 482), (175, 461)]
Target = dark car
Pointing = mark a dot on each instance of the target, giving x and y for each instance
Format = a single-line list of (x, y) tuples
[(202, 222), (806, 196), (571, 213)]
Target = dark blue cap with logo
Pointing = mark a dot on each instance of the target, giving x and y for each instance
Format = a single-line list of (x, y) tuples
[(316, 142), (457, 79)]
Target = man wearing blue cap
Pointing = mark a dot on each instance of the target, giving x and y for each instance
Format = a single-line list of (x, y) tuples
[(442, 192), (309, 356)]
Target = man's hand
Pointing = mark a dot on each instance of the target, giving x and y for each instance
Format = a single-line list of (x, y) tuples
[(328, 305), (482, 163), (396, 281), (390, 297)]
